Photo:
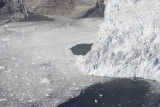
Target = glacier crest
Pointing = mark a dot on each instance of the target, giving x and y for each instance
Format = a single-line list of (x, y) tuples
[(128, 43)]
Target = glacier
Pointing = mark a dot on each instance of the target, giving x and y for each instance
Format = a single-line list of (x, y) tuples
[(129, 41)]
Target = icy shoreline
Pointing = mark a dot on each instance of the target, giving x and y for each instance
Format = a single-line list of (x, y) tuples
[(128, 44), (37, 67)]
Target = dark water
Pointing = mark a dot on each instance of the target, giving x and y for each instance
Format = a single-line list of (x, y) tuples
[(116, 93), (81, 49), (33, 18)]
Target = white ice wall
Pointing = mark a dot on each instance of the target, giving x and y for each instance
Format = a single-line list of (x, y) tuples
[(128, 43)]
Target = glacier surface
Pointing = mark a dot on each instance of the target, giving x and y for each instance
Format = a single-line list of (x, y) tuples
[(128, 43)]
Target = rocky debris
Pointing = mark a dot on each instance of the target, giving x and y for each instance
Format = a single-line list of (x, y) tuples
[(99, 10), (68, 8), (2, 3), (14, 10), (2, 22), (93, 9)]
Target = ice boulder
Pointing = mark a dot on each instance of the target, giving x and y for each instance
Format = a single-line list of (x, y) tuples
[(128, 43)]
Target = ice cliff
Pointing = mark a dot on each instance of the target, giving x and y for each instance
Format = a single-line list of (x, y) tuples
[(128, 43)]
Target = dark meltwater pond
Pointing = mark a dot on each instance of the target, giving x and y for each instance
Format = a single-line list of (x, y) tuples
[(81, 49), (115, 93)]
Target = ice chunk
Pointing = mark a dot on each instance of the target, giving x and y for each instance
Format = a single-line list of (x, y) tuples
[(2, 67), (13, 58), (95, 101), (6, 39), (45, 80), (3, 99), (100, 95)]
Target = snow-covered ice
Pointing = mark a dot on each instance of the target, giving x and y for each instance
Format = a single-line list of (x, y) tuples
[(129, 41), (40, 70)]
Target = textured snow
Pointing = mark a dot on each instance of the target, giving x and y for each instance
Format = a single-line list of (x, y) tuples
[(129, 41)]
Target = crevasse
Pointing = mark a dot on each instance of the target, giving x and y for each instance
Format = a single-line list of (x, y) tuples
[(128, 43)]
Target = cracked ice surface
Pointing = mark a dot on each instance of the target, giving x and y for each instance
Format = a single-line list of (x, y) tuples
[(37, 67), (129, 41)]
